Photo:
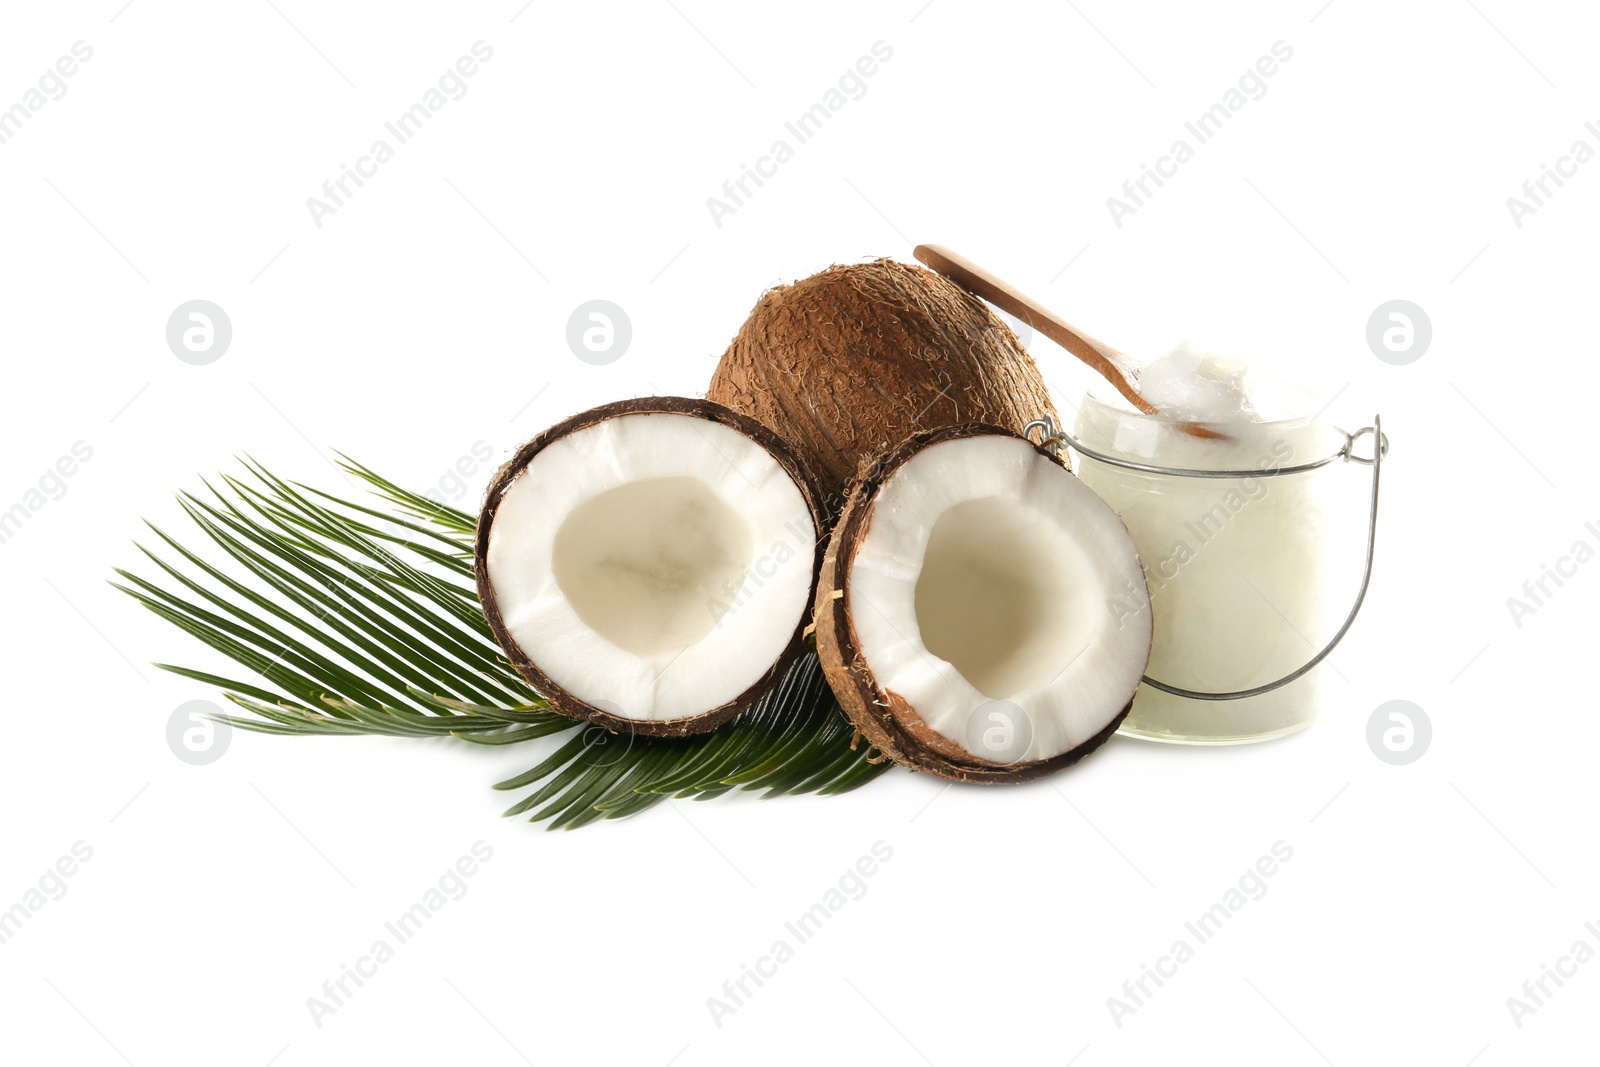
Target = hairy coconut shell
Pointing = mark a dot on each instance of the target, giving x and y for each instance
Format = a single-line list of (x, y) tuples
[(882, 716), (559, 698), (852, 361)]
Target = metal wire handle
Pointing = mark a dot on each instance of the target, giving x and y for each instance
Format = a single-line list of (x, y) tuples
[(1053, 438)]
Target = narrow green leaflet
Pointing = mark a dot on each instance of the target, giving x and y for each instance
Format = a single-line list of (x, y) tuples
[(359, 619)]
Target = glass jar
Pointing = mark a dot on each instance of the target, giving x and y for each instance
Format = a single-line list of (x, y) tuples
[(1239, 566)]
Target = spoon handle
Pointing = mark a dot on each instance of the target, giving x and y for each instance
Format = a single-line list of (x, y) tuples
[(1121, 371)]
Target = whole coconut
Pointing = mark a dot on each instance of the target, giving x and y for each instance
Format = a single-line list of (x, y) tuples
[(848, 363)]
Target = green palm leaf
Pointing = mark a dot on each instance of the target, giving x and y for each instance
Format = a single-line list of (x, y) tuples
[(360, 619)]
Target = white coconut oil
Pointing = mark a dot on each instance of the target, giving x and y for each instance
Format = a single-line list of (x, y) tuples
[(1238, 567)]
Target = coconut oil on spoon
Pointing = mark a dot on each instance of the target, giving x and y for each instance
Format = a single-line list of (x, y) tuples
[(1121, 370)]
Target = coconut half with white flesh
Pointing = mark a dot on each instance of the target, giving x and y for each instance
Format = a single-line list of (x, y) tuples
[(981, 614), (648, 565)]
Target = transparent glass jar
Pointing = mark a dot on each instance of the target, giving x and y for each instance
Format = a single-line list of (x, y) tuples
[(1240, 567)]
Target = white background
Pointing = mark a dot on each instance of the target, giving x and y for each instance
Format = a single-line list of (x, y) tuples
[(428, 314)]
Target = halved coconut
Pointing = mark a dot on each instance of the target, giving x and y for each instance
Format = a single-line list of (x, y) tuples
[(981, 614), (648, 565)]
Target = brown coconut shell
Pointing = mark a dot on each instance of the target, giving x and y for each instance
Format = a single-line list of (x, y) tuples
[(883, 716), (560, 699), (852, 361)]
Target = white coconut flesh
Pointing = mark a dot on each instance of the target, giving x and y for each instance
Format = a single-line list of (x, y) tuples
[(654, 564), (989, 577)]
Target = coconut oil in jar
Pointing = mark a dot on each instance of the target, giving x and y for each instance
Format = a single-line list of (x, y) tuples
[(1238, 567)]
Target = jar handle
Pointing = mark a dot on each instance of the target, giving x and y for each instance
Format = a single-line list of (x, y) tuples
[(1347, 453)]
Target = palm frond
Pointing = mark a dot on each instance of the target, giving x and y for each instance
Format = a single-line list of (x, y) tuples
[(360, 619)]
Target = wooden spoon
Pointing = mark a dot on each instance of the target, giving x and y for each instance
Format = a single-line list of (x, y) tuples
[(1117, 368)]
